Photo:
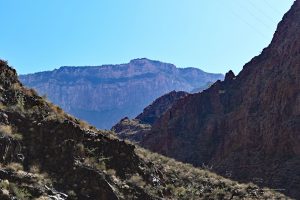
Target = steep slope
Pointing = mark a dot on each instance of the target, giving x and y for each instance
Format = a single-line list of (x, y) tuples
[(247, 126), (47, 154), (155, 110), (200, 89), (105, 94), (136, 129)]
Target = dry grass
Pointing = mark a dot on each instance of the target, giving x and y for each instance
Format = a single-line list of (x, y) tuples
[(137, 180), (8, 131), (2, 106), (184, 181), (15, 166)]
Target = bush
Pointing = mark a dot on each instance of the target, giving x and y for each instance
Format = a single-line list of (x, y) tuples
[(15, 166), (4, 184), (7, 130), (137, 180), (2, 107), (35, 169), (111, 172)]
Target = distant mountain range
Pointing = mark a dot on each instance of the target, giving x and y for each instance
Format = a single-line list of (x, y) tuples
[(102, 95)]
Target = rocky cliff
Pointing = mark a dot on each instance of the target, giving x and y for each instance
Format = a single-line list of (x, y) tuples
[(48, 154), (137, 128), (155, 110), (103, 95), (247, 126)]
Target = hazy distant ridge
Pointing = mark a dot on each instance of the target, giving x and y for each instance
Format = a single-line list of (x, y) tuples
[(104, 94)]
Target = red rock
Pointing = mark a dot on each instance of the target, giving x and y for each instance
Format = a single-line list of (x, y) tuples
[(248, 124)]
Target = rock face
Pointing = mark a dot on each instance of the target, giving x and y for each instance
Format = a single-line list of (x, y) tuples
[(154, 111), (136, 129), (247, 126), (105, 94), (47, 154), (131, 129)]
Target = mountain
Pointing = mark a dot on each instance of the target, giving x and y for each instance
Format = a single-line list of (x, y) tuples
[(48, 154), (136, 129), (248, 125), (200, 89), (105, 94)]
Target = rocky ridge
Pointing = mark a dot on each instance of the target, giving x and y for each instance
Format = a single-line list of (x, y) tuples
[(247, 127)]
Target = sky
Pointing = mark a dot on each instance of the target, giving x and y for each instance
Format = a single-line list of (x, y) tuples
[(213, 35)]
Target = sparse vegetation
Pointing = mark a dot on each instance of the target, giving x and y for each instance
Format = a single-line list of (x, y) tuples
[(183, 181)]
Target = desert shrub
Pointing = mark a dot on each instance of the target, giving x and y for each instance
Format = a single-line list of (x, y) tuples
[(7, 130), (90, 161), (35, 169), (56, 109), (71, 194), (218, 193), (55, 117), (80, 148), (180, 191), (15, 166), (84, 124), (101, 166), (4, 184), (111, 172), (2, 106), (137, 180), (16, 86), (96, 163), (28, 92)]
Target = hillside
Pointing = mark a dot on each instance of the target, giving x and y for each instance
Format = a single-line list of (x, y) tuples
[(248, 125), (47, 154), (105, 94)]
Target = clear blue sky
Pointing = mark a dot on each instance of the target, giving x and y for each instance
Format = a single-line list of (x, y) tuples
[(216, 36)]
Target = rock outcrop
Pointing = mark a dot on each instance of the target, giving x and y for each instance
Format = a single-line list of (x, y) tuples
[(155, 110), (136, 129), (248, 125), (105, 94)]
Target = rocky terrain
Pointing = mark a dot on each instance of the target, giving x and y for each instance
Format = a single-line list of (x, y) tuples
[(105, 94), (246, 127), (136, 129), (48, 154)]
